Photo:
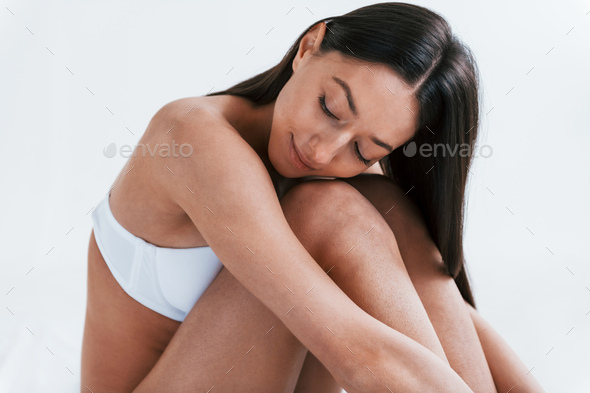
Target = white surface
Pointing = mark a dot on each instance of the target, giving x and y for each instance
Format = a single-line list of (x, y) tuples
[(134, 58)]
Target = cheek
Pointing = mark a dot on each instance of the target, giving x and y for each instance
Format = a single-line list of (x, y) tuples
[(278, 142), (281, 115), (297, 104), (282, 124)]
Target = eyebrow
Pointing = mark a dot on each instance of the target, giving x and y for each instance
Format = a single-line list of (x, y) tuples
[(379, 142), (352, 107), (349, 98)]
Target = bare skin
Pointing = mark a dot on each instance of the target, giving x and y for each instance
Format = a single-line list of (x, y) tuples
[(146, 333), (151, 332), (117, 325), (399, 373), (185, 352)]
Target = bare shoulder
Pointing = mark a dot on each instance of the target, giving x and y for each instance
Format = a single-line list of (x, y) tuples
[(189, 113), (207, 145), (196, 122)]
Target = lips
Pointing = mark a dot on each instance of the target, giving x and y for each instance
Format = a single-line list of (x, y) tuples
[(296, 157)]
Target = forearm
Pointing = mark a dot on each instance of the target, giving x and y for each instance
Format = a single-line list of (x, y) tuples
[(386, 359), (508, 371)]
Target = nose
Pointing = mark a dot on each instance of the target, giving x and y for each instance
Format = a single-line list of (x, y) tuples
[(325, 147)]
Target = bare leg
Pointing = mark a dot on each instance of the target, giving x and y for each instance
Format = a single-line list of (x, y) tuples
[(437, 291), (315, 377), (510, 374), (228, 339), (508, 371)]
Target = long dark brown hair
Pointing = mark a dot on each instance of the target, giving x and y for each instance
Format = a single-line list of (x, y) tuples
[(418, 45)]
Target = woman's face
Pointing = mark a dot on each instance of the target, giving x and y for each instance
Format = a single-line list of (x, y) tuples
[(339, 114)]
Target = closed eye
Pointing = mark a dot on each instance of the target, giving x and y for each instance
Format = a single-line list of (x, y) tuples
[(358, 154), (322, 100)]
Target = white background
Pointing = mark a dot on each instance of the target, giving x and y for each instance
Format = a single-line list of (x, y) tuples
[(77, 76)]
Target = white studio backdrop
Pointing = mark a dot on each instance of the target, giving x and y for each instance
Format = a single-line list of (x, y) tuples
[(76, 77)]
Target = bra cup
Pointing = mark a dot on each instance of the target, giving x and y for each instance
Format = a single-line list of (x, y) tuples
[(185, 274), (168, 281)]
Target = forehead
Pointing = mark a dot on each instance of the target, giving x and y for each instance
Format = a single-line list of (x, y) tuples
[(382, 100)]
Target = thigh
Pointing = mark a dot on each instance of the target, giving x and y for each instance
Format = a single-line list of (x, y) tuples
[(231, 342), (122, 338), (315, 377)]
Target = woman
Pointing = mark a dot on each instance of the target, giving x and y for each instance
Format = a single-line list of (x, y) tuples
[(338, 272)]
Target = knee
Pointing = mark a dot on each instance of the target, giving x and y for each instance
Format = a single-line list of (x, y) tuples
[(310, 196), (321, 211), (317, 203)]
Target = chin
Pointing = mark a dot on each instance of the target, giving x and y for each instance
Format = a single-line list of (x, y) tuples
[(288, 175), (278, 168)]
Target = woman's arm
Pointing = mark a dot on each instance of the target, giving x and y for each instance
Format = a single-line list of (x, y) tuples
[(508, 371), (227, 192)]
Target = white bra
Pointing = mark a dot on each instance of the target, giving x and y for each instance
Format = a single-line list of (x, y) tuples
[(166, 280)]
